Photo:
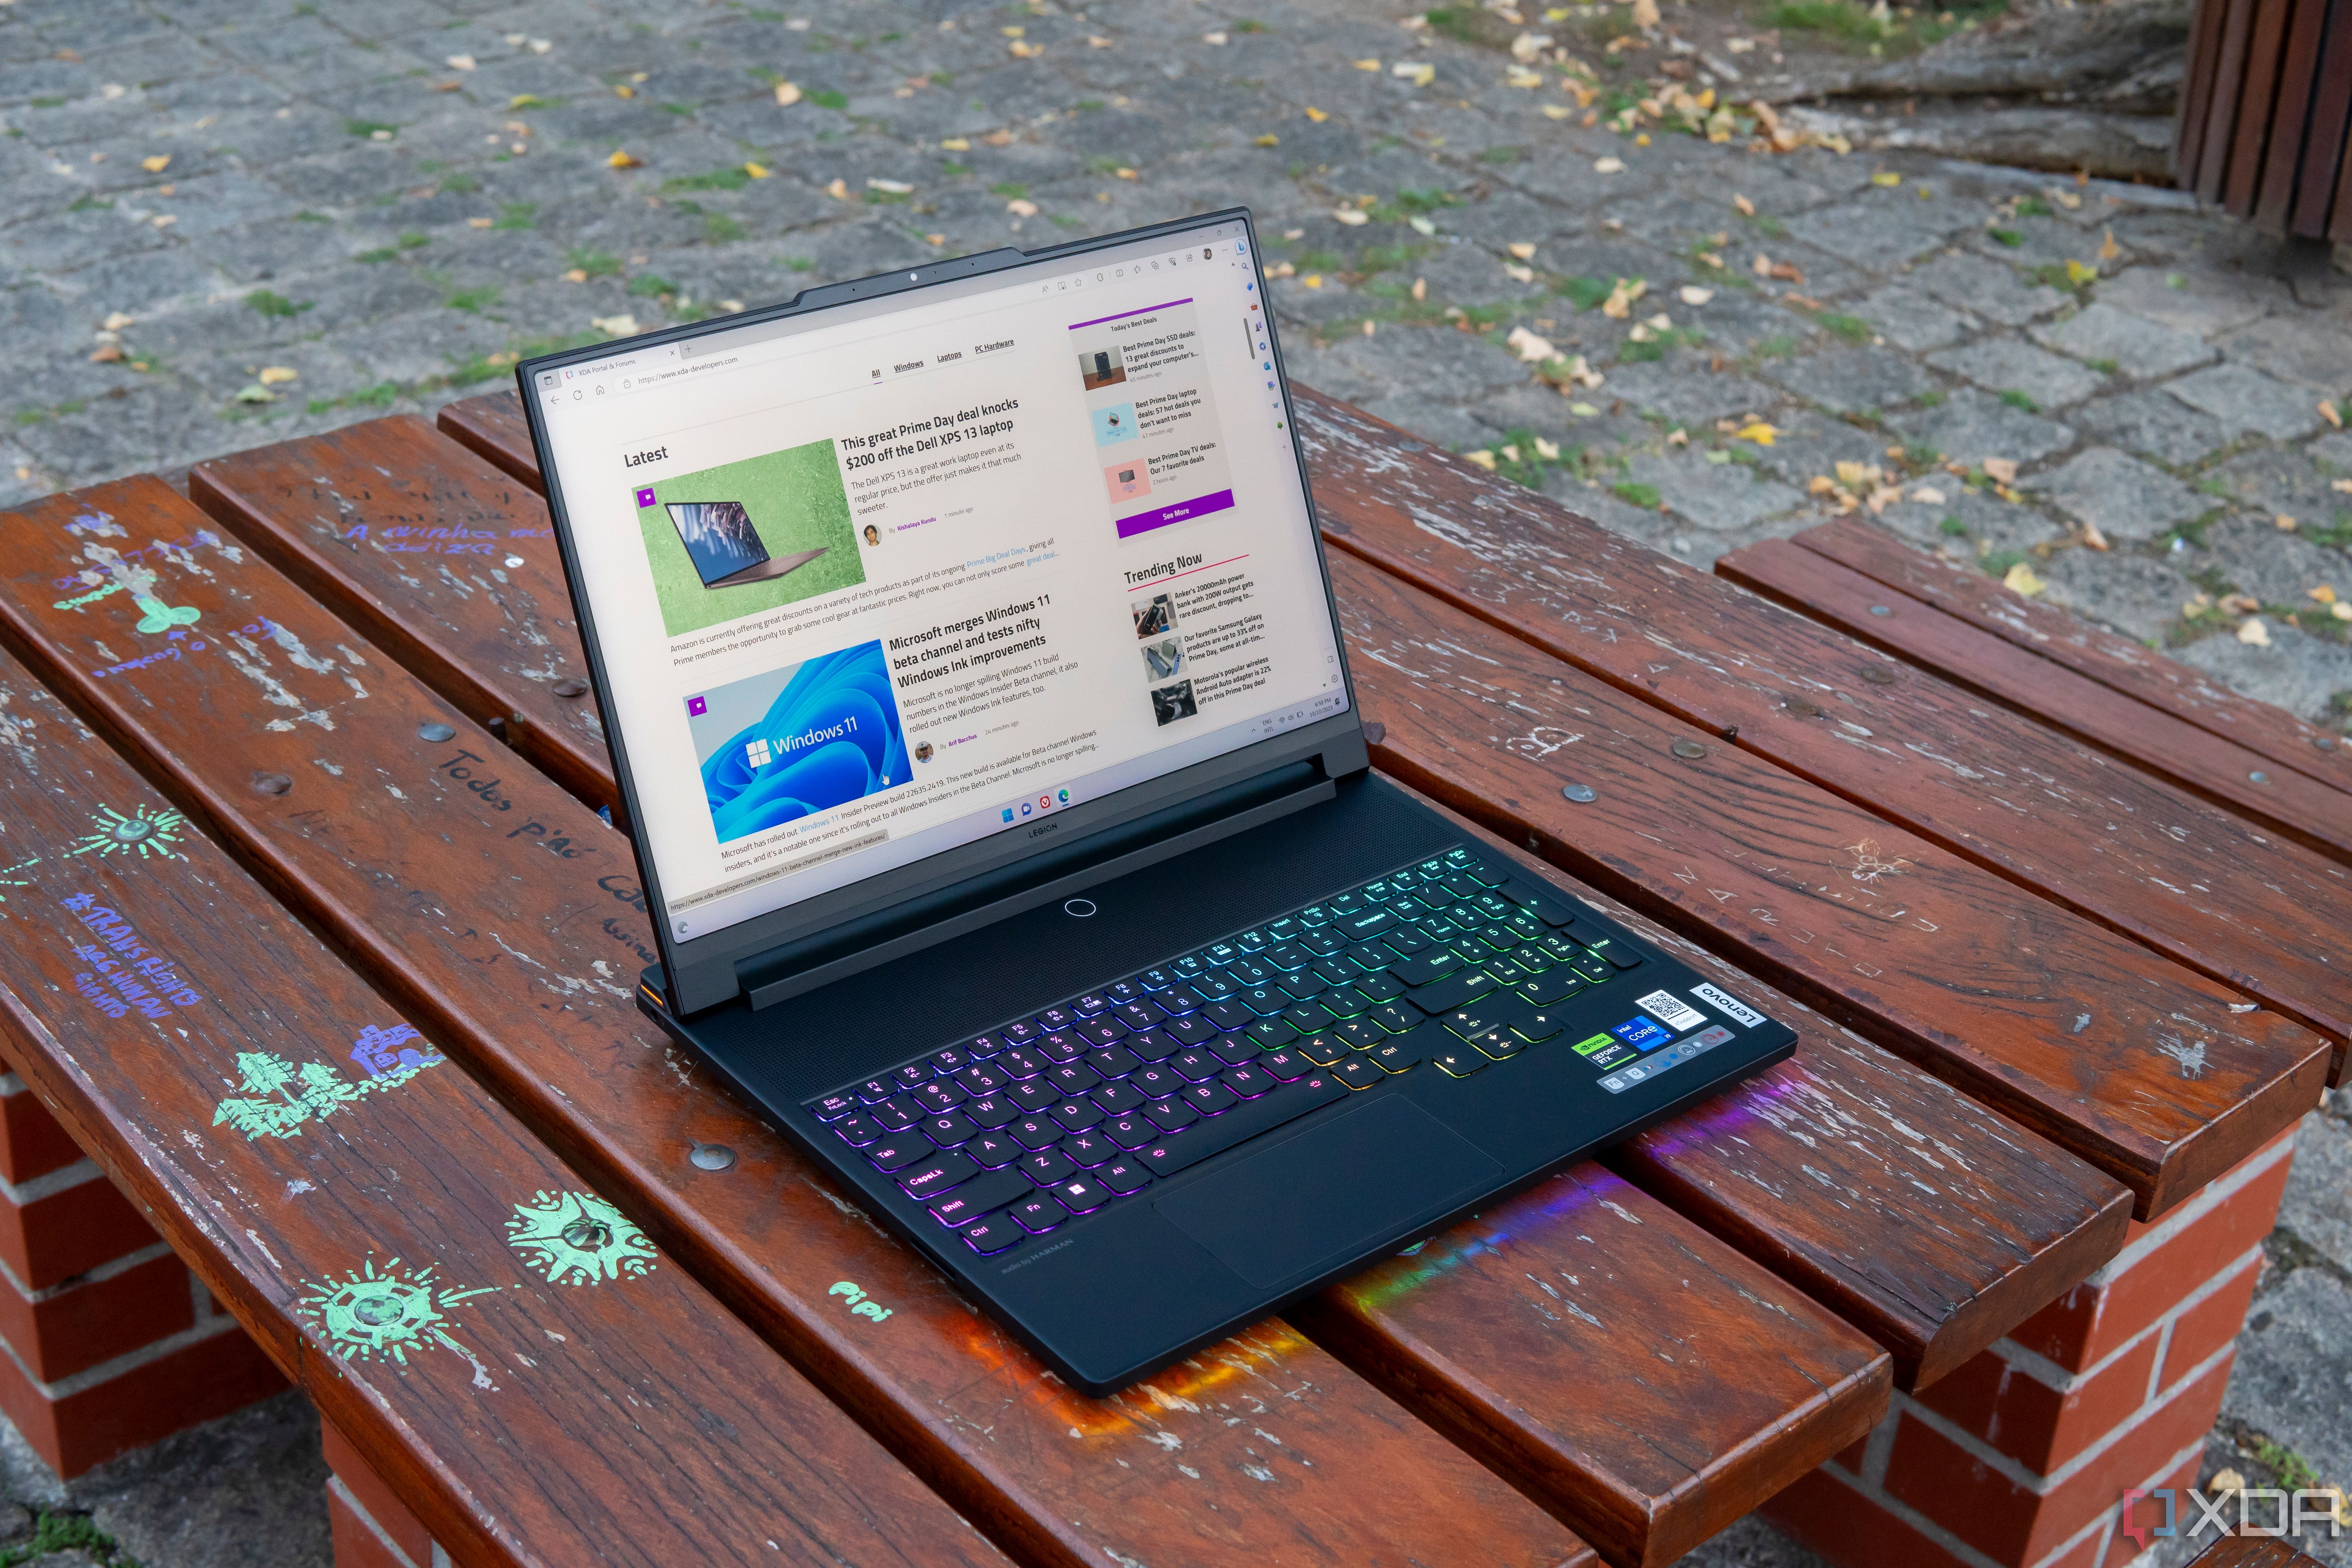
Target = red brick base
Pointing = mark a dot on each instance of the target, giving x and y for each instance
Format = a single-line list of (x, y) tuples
[(372, 1529), (107, 1342), (2020, 1457)]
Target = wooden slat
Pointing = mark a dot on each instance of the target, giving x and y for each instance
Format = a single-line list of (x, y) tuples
[(2049, 695), (2258, 105), (2222, 112), (2298, 79), (2196, 94), (2112, 660), (1933, 1224), (505, 916), (1562, 1297), (444, 563), (2020, 800), (2328, 155), (502, 1427), (1976, 1270), (2227, 900), (494, 429)]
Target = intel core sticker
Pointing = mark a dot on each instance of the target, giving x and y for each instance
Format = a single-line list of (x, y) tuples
[(1677, 1013), (1726, 1006), (1644, 1033)]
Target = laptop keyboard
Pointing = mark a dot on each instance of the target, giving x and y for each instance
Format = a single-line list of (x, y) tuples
[(1445, 966)]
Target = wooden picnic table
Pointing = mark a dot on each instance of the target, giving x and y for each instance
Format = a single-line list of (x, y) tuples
[(343, 673)]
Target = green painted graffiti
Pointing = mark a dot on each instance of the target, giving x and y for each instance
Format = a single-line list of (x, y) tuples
[(383, 1312), (140, 832), (312, 1089), (161, 616), (579, 1238)]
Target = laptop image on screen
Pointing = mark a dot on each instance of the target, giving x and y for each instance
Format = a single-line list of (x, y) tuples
[(1028, 872), (724, 546)]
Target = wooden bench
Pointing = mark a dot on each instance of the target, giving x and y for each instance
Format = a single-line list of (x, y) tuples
[(530, 1372), (498, 911), (1929, 1327)]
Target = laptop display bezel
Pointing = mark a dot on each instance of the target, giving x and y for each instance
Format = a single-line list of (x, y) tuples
[(703, 970)]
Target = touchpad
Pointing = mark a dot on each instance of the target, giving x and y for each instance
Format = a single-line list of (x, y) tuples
[(1278, 1215)]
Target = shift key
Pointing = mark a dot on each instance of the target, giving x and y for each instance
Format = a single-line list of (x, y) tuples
[(933, 1177)]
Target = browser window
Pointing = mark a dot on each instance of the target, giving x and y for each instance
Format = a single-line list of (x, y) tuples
[(879, 581)]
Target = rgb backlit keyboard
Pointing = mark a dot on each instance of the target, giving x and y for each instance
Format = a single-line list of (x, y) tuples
[(1052, 1117)]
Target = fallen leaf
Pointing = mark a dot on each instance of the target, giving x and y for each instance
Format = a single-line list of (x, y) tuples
[(256, 394), (788, 93), (2341, 610), (2108, 248), (2001, 468), (1522, 249), (890, 187), (1660, 322), (2093, 538), (1021, 51), (2239, 604), (1483, 458), (2022, 580), (1855, 476), (1421, 74), (1584, 410), (1268, 140), (1645, 14), (461, 62), (1928, 495), (1677, 437), (2324, 593), (2254, 633), (1886, 177), (1747, 208), (623, 160), (1520, 76), (1368, 65), (156, 164), (999, 138), (1820, 485), (1692, 294), (273, 375), (1609, 165), (1518, 274), (1096, 41), (955, 144), (1312, 280), (1556, 111), (1763, 434), (1510, 453), (116, 321), (614, 326), (1761, 266), (2079, 272), (105, 353), (1421, 225), (1315, 114), (1350, 217), (2286, 523), (1619, 306), (1367, 326), (620, 89), (2342, 486), (576, 275), (478, 221), (1420, 286), (1531, 349), (540, 46), (1214, 38), (1548, 450), (758, 171), (2329, 412), (1019, 206), (1013, 32), (838, 190), (1282, 269)]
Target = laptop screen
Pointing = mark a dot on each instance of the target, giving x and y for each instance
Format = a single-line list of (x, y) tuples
[(876, 581)]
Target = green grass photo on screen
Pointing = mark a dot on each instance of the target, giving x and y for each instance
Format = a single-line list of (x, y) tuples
[(793, 502)]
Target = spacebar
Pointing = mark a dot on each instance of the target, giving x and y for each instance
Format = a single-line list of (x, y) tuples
[(1240, 1124)]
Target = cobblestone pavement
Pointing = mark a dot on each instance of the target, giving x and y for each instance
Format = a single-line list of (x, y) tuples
[(227, 222)]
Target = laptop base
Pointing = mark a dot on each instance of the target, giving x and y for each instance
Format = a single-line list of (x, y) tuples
[(1306, 1173)]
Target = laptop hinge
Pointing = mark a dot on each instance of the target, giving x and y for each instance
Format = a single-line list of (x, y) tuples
[(797, 967)]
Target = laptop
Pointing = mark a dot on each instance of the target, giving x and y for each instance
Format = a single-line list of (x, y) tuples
[(1027, 871), (724, 546)]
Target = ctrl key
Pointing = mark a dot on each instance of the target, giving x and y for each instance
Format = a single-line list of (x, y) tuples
[(993, 1235)]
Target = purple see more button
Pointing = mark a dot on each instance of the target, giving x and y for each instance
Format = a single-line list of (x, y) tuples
[(645, 498), (1181, 511)]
